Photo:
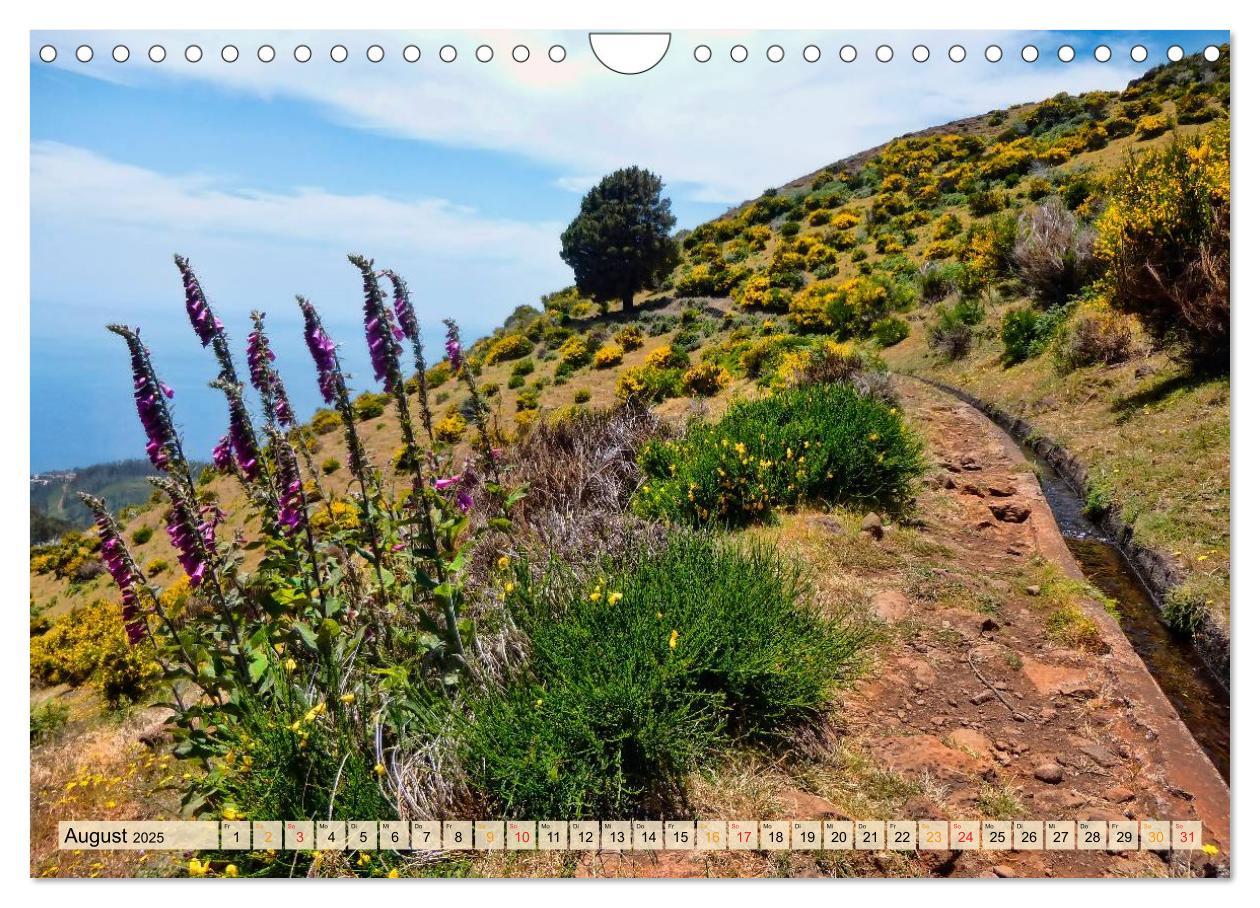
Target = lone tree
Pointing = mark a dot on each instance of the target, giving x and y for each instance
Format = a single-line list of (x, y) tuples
[(620, 241)]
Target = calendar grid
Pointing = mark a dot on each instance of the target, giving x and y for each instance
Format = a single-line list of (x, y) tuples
[(636, 835)]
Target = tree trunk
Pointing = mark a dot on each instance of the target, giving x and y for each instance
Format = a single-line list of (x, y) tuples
[(627, 301)]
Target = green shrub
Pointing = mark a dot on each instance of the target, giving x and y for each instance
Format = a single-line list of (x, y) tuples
[(986, 201), (640, 676), (325, 421), (890, 330), (522, 367), (370, 405), (815, 443), (1026, 332), (648, 384), (509, 346), (48, 719), (952, 332), (438, 374), (142, 535), (581, 395), (330, 466)]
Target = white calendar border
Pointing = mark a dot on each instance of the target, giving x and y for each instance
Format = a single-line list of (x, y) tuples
[(630, 15)]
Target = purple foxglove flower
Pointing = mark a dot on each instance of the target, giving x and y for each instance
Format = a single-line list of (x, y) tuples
[(263, 375), (463, 500), (241, 434), (222, 455), (406, 315), (203, 321), (378, 326), (292, 514), (449, 482), (323, 352), (148, 393), (454, 351), (121, 568), (188, 538)]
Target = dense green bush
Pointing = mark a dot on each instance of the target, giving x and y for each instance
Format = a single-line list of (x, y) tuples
[(951, 333), (1026, 332), (637, 676), (370, 405), (890, 330), (141, 535), (816, 443)]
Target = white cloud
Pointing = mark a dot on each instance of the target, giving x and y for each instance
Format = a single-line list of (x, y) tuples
[(75, 183), (716, 132)]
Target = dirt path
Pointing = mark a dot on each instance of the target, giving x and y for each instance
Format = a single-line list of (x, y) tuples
[(991, 704)]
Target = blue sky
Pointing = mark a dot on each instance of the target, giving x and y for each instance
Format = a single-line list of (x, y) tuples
[(460, 175)]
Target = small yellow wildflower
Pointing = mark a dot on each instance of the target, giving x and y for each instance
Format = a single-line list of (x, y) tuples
[(393, 874), (364, 860), (504, 561), (230, 870), (290, 664), (196, 868), (508, 587), (538, 703), (347, 698), (614, 598), (379, 769), (279, 648), (1210, 849), (673, 640)]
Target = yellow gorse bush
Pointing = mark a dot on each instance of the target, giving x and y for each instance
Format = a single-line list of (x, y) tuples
[(608, 356), (90, 645), (510, 346)]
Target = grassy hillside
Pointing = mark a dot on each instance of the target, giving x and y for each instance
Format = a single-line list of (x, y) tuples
[(975, 253)]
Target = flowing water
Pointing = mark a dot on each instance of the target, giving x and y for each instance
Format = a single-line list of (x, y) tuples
[(1196, 695)]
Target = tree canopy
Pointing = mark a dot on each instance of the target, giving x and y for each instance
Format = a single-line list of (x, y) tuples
[(620, 241)]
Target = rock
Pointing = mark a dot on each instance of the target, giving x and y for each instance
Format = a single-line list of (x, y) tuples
[(922, 753), (969, 624), (799, 803), (1099, 754), (890, 605), (155, 735), (970, 463), (1033, 589), (873, 525), (1050, 773), (1004, 871), (1001, 489), (1119, 794), (970, 740), (983, 697), (1011, 511), (1049, 679)]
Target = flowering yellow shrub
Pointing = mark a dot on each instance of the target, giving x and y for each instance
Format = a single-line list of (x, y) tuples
[(1149, 127), (1165, 241), (646, 385), (758, 293), (89, 645), (510, 346), (344, 516), (665, 357), (758, 236), (575, 351), (809, 308), (887, 244), (450, 429), (938, 249), (608, 356), (705, 379), (845, 220), (630, 337), (1005, 158)]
